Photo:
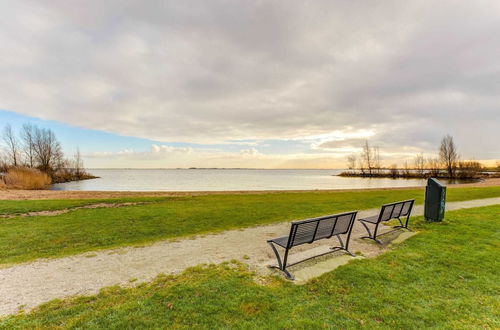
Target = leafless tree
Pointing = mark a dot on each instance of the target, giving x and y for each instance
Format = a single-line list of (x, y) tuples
[(406, 170), (351, 162), (367, 157), (78, 164), (434, 167), (448, 155), (419, 162), (3, 163), (376, 159), (394, 171), (361, 166), (28, 139), (47, 150), (12, 144)]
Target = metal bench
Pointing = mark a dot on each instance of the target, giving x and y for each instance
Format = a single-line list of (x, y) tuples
[(310, 230), (388, 212)]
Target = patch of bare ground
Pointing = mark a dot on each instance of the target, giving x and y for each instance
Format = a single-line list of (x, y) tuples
[(63, 194), (58, 212)]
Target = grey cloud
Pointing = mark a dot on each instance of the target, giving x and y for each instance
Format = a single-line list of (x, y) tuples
[(213, 71)]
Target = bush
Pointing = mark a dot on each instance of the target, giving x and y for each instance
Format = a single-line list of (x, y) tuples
[(26, 178), (469, 169)]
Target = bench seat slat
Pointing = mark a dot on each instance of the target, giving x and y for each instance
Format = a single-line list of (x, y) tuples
[(372, 219), (281, 241)]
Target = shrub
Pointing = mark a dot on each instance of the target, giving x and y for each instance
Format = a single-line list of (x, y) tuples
[(26, 178), (469, 169)]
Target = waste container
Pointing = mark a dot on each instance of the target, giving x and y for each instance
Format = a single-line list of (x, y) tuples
[(435, 200)]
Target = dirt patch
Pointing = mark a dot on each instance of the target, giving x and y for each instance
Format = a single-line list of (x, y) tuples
[(63, 194), (63, 211)]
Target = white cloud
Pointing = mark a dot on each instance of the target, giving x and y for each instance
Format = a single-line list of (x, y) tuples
[(250, 152), (169, 149)]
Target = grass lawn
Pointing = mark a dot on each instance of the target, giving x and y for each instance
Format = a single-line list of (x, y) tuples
[(446, 277), (27, 238)]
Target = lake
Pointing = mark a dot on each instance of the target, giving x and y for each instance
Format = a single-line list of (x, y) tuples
[(226, 180)]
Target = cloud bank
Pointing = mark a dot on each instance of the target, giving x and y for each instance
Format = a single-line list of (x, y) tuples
[(402, 73)]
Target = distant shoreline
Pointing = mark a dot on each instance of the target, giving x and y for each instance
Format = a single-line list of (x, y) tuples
[(211, 168), (72, 194)]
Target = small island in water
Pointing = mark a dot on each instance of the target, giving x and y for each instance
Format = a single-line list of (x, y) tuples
[(447, 165)]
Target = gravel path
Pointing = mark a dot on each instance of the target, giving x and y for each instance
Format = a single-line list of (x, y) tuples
[(30, 284)]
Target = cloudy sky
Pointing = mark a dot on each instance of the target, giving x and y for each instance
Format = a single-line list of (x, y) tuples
[(275, 84)]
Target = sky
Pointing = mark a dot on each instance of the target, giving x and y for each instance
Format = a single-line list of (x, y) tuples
[(268, 84)]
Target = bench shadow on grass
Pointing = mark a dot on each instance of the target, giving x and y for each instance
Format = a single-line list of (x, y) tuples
[(314, 266)]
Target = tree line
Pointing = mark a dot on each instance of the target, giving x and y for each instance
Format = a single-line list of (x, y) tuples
[(38, 148), (447, 165)]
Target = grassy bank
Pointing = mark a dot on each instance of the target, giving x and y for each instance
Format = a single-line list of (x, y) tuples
[(28, 238), (436, 279)]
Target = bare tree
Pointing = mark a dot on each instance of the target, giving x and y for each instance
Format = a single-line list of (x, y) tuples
[(419, 162), (28, 139), (78, 164), (434, 167), (12, 144), (448, 155), (361, 167), (376, 159), (47, 150), (351, 162), (406, 170), (394, 171), (3, 163), (367, 157)]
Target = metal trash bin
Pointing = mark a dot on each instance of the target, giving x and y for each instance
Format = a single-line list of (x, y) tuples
[(435, 200)]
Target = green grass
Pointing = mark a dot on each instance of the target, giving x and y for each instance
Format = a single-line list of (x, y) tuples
[(454, 194), (447, 277), (28, 238)]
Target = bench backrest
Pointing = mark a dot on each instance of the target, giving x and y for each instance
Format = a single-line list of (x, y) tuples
[(310, 230), (395, 210)]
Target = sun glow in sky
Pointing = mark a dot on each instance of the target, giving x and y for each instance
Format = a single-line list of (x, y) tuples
[(269, 84)]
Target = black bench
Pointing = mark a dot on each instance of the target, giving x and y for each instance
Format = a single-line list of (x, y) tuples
[(310, 230), (387, 212)]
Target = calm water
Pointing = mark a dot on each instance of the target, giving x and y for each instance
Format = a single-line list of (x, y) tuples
[(213, 180)]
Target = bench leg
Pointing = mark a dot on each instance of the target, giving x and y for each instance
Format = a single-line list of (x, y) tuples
[(406, 223), (342, 246), (370, 235), (405, 226), (281, 264)]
